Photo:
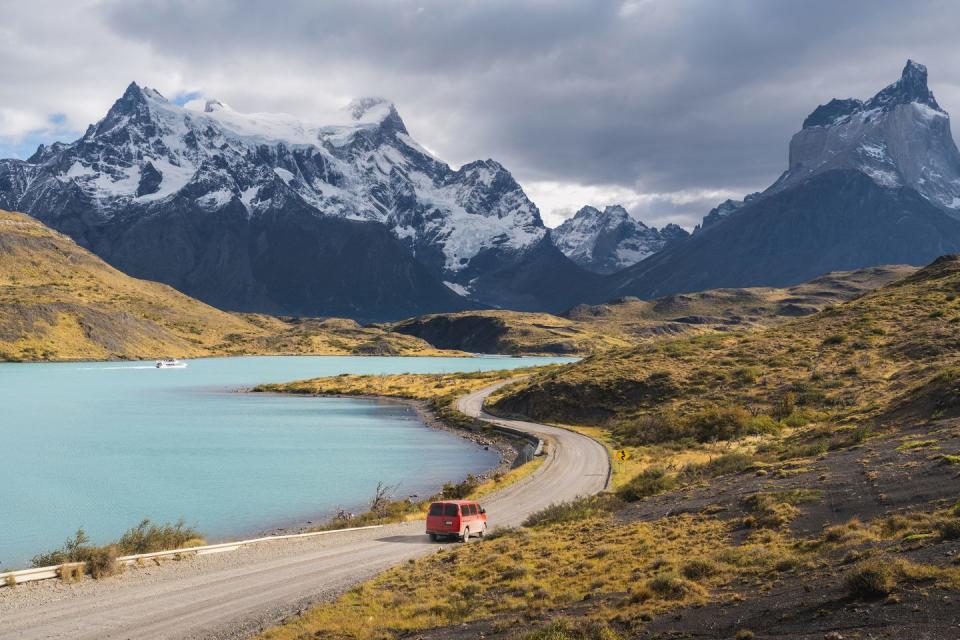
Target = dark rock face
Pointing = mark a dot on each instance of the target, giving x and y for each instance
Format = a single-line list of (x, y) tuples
[(836, 221), (266, 213), (542, 279), (477, 334)]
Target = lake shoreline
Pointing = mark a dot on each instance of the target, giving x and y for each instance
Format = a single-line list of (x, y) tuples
[(505, 447), (172, 444)]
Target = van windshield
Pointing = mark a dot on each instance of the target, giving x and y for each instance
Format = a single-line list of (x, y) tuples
[(450, 510), (436, 509)]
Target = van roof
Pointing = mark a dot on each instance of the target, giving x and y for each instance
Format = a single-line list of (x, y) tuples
[(454, 502)]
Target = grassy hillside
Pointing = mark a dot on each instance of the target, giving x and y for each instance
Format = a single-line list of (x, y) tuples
[(595, 328), (848, 362), (791, 481), (60, 302)]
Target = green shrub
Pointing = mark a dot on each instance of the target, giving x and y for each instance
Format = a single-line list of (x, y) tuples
[(784, 405), (567, 630), (102, 561), (650, 428), (835, 339), (148, 537), (949, 529), (698, 569), (870, 579), (73, 550), (721, 465), (580, 509), (647, 483), (719, 423), (460, 490), (671, 587), (747, 375)]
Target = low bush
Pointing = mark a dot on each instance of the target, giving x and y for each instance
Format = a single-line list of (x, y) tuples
[(720, 466), (949, 529), (776, 508), (728, 423), (647, 483), (870, 579), (460, 490), (568, 630), (148, 537), (649, 428), (668, 586), (580, 509), (698, 569), (102, 561), (835, 339), (73, 550), (71, 572)]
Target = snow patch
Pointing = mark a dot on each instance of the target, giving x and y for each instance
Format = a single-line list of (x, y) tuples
[(459, 289)]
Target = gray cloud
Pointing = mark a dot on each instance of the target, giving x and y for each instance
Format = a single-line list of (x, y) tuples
[(662, 104)]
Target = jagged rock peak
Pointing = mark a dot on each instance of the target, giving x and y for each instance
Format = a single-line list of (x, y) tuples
[(911, 87), (612, 239), (214, 105)]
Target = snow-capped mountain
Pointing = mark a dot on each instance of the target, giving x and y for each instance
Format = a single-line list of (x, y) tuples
[(610, 240), (900, 138), (869, 182), (150, 160)]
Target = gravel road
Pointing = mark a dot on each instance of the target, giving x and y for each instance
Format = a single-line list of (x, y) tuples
[(236, 594)]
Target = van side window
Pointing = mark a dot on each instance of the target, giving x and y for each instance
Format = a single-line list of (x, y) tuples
[(474, 510), (436, 509), (450, 510), (471, 510)]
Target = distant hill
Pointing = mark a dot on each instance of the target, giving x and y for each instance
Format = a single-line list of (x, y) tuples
[(625, 322), (879, 354), (60, 302)]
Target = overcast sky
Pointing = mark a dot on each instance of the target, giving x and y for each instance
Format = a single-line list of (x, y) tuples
[(667, 107)]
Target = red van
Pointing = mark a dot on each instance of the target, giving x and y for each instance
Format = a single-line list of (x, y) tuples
[(456, 519)]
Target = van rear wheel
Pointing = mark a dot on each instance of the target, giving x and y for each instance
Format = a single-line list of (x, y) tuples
[(466, 535), (433, 537)]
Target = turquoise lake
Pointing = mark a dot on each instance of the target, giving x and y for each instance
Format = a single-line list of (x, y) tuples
[(103, 445)]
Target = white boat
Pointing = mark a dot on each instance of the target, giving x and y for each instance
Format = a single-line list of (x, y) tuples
[(171, 364)]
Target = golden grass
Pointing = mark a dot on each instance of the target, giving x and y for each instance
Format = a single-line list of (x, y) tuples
[(441, 387), (525, 574), (625, 323), (848, 365), (60, 302)]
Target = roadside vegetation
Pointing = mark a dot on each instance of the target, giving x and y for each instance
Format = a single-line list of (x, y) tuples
[(78, 555)]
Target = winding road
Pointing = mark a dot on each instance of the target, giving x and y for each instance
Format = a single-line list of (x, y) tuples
[(236, 594)]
